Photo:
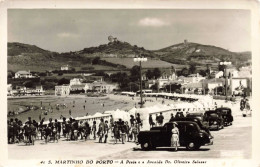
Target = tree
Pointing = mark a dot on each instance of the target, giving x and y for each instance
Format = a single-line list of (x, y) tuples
[(121, 78), (133, 87), (100, 73), (29, 84), (203, 73), (185, 72), (156, 73), (63, 81), (192, 69), (49, 85), (221, 67), (154, 87), (10, 74), (42, 74), (123, 81), (174, 87), (73, 70), (96, 60), (135, 73), (149, 74)]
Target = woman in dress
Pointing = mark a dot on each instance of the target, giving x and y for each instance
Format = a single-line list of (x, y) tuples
[(175, 137)]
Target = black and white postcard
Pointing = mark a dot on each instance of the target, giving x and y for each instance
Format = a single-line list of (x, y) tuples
[(129, 83)]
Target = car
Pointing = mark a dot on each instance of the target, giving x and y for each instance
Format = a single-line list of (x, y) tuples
[(214, 119), (226, 114), (197, 120), (191, 136), (199, 116)]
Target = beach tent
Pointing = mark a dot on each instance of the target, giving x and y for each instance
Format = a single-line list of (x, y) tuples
[(120, 114)]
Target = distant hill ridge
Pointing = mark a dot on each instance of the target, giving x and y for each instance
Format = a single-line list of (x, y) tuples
[(182, 53), (116, 49), (16, 49)]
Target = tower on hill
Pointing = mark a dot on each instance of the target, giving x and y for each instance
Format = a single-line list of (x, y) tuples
[(185, 42)]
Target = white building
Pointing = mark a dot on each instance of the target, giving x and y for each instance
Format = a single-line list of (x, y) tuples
[(62, 90), (166, 78), (101, 87), (194, 78), (23, 74), (75, 81), (39, 90), (9, 90), (216, 74), (64, 68)]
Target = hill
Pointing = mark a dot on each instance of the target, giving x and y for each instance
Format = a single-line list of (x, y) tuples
[(30, 57), (188, 53), (115, 49)]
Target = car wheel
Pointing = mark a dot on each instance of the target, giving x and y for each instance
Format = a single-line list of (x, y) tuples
[(217, 127), (192, 146), (145, 146)]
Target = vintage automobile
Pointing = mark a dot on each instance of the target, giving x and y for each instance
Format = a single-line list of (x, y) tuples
[(197, 120), (214, 119), (226, 114), (190, 136), (200, 116)]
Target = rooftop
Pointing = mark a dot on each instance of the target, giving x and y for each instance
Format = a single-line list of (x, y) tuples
[(23, 72)]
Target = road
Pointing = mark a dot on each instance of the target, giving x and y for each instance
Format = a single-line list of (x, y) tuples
[(233, 141)]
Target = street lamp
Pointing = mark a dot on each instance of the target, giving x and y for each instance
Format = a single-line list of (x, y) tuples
[(140, 60), (225, 63)]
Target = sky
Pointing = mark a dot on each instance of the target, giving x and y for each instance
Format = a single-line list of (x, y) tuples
[(64, 30)]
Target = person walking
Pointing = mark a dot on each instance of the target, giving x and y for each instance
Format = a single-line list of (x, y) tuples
[(172, 118), (132, 120), (139, 122), (122, 131), (160, 119), (151, 123), (94, 129), (134, 132), (242, 104), (156, 119), (175, 137), (101, 129), (106, 131), (111, 123), (127, 128), (116, 132)]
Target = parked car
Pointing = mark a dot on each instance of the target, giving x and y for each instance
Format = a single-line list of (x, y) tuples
[(191, 136), (200, 116), (226, 114), (197, 120), (214, 119)]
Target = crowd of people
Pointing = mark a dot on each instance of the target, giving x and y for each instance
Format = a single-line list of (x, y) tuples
[(71, 129)]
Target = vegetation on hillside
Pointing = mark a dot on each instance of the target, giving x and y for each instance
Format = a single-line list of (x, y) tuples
[(24, 55)]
